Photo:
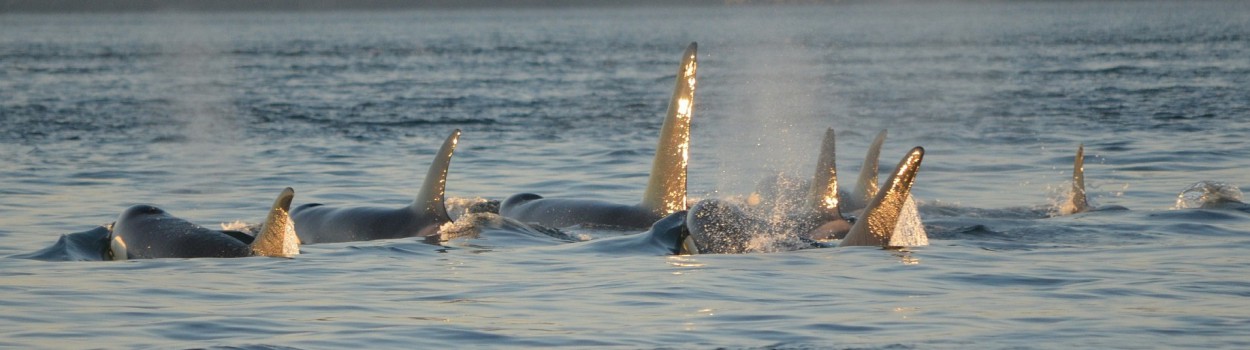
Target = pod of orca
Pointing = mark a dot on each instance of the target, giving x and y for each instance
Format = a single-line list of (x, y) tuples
[(817, 210)]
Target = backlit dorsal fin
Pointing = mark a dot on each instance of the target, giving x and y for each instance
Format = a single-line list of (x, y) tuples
[(866, 185), (430, 200), (876, 226), (666, 189), (277, 235), (824, 192), (910, 231), (1078, 203)]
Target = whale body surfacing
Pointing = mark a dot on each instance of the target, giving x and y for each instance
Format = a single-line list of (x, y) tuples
[(147, 232), (666, 187), (323, 224)]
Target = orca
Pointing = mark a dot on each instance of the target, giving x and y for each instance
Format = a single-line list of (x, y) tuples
[(782, 194), (817, 208), (908, 231), (666, 236), (666, 188), (723, 227), (877, 226), (813, 207), (147, 232), (718, 226), (1076, 202), (482, 229), (90, 245), (319, 223), (866, 184), (824, 200)]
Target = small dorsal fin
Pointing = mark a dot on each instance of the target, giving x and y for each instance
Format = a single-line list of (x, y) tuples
[(824, 192), (277, 235), (430, 200), (666, 189), (866, 185), (1077, 203), (876, 226)]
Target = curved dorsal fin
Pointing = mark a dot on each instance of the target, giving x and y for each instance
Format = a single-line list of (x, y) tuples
[(430, 200), (824, 192), (1078, 203), (866, 185), (876, 226), (666, 189), (277, 235)]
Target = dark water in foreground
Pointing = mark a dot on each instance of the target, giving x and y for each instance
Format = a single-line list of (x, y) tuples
[(209, 116)]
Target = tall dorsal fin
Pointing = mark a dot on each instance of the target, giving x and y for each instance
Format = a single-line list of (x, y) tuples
[(866, 185), (277, 235), (1078, 203), (824, 193), (430, 200), (876, 226), (666, 190)]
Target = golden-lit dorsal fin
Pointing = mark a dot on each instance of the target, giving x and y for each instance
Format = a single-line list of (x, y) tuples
[(876, 226), (824, 192), (666, 189), (277, 235), (1077, 203)]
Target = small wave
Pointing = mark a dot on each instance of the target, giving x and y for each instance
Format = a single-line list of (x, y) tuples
[(87, 245)]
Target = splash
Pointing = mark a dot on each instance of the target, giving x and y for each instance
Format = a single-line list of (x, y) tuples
[(468, 226), (459, 207), (240, 226), (1062, 200), (731, 226), (778, 195), (775, 241), (1204, 194)]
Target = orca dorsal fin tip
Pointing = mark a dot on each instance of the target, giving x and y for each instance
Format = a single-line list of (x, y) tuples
[(824, 197), (666, 187), (1078, 201), (877, 225), (431, 198), (277, 235), (284, 199)]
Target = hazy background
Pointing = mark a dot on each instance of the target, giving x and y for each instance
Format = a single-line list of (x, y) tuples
[(320, 5), (209, 114)]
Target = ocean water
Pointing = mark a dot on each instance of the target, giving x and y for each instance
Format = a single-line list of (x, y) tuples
[(210, 115)]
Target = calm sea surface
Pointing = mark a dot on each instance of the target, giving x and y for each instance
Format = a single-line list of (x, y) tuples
[(210, 115)]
